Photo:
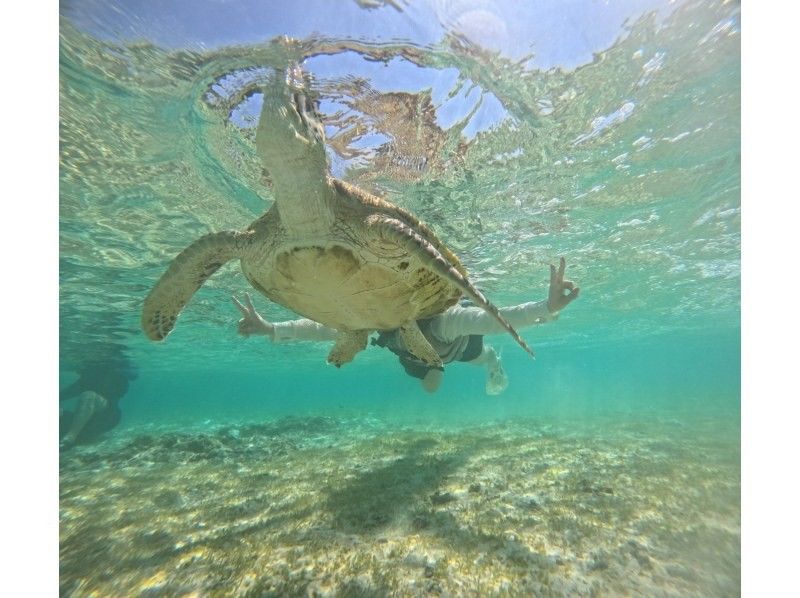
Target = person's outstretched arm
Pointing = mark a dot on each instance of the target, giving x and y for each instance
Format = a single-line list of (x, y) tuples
[(280, 332), (462, 321)]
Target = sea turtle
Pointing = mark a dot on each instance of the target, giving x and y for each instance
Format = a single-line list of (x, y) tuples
[(325, 249)]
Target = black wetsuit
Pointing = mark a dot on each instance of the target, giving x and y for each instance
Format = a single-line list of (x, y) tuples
[(461, 349)]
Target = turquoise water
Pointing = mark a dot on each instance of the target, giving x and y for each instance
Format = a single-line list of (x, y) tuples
[(605, 134)]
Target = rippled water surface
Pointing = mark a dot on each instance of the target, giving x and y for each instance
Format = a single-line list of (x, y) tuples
[(607, 133)]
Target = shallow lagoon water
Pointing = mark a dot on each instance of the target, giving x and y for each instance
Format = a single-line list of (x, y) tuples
[(611, 463)]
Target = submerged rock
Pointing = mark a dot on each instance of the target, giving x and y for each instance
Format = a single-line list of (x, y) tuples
[(598, 561), (528, 502), (585, 485), (441, 498)]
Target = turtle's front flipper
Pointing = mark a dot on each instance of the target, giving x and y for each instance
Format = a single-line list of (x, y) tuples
[(185, 275), (346, 347), (418, 345), (406, 237)]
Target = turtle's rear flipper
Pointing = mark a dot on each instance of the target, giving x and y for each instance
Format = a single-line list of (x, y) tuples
[(185, 275), (346, 347), (399, 232), (418, 345)]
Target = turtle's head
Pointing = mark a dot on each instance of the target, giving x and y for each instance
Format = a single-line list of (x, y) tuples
[(290, 139)]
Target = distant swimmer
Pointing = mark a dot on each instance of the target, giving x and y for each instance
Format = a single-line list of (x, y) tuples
[(456, 334), (99, 387)]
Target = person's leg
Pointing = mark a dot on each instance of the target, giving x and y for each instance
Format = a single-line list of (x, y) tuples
[(432, 380), (496, 379), (89, 404)]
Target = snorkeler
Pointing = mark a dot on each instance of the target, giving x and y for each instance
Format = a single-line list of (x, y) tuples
[(99, 387), (456, 334)]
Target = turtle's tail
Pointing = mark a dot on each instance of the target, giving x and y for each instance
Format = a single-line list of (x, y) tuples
[(415, 244), (187, 273)]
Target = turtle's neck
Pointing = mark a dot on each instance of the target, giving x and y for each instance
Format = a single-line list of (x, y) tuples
[(305, 209)]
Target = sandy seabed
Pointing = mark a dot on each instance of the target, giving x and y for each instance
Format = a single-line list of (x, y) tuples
[(322, 506)]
